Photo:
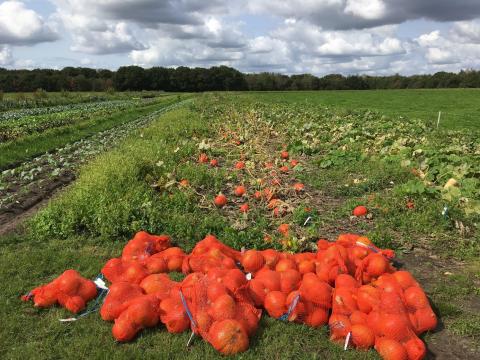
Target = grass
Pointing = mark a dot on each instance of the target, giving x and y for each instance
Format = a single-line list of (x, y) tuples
[(135, 187), (460, 107), (27, 147)]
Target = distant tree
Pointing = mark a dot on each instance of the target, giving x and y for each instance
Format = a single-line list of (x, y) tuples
[(130, 78)]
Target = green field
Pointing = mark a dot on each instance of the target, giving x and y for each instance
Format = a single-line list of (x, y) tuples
[(348, 156), (460, 107)]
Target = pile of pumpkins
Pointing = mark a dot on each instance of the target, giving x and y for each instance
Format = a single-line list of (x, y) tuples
[(348, 285)]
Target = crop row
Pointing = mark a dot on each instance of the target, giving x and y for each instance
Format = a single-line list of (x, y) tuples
[(51, 166), (29, 124)]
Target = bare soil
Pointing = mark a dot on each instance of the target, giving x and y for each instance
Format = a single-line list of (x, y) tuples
[(29, 202)]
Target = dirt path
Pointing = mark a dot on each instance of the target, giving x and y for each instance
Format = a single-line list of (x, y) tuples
[(27, 206)]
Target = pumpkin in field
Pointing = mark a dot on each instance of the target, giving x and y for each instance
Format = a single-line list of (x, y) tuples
[(270, 278), (228, 337), (316, 317), (222, 308), (252, 261), (362, 336), (240, 190), (220, 201), (390, 349), (316, 291), (275, 303), (360, 211), (285, 264), (416, 349), (289, 280), (203, 158)]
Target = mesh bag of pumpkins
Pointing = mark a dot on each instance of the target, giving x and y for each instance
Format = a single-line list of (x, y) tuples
[(348, 285)]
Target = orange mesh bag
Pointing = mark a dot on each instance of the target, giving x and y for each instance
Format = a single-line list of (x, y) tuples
[(118, 298), (142, 312), (348, 323), (158, 284), (393, 323), (167, 260), (211, 242), (143, 245), (203, 263), (271, 258), (316, 291), (265, 280), (419, 310), (252, 261), (302, 311), (302, 300), (417, 301), (355, 240), (358, 248), (331, 262), (373, 266), (70, 290), (368, 298), (222, 311), (118, 270), (306, 262), (210, 254), (173, 312)]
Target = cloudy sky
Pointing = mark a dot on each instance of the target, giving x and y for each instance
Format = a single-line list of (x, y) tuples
[(289, 36)]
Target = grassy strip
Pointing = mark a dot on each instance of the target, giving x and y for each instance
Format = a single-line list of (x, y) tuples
[(15, 152)]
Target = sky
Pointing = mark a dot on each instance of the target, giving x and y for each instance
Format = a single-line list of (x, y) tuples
[(373, 37)]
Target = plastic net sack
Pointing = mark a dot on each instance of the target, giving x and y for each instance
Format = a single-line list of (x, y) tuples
[(117, 299), (70, 290), (222, 311), (348, 284), (417, 306), (141, 312), (394, 332), (165, 261), (143, 245), (116, 270), (210, 254)]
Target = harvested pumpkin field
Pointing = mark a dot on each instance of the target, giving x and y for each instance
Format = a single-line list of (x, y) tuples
[(284, 226)]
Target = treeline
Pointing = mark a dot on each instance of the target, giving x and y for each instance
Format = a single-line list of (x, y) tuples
[(216, 78)]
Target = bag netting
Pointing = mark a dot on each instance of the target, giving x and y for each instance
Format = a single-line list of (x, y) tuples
[(221, 309), (348, 284), (70, 290)]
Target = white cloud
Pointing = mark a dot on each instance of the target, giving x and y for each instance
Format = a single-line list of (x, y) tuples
[(21, 26), (429, 39), (313, 41), (439, 56), (360, 14), (6, 57), (367, 9), (451, 50), (113, 39), (467, 31)]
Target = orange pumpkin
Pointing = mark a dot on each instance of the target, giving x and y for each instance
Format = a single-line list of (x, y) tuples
[(228, 337)]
